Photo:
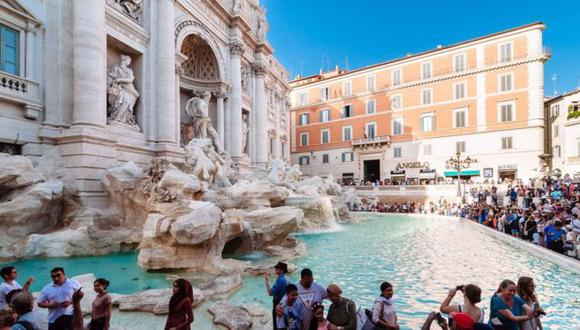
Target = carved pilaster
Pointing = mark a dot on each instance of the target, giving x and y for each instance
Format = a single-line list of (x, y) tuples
[(237, 48), (259, 69)]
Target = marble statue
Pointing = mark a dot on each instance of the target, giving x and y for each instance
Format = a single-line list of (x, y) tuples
[(245, 79), (245, 132), (262, 24), (122, 94), (133, 8), (198, 109), (206, 163), (237, 7)]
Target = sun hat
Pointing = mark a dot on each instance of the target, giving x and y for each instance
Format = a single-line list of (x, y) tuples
[(334, 288)]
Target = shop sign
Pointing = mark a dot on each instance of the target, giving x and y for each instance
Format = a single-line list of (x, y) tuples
[(402, 166), (507, 167), (397, 172), (488, 172)]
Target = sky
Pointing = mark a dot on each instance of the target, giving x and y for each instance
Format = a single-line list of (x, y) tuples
[(310, 34)]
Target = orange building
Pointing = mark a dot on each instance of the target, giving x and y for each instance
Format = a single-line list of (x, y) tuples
[(402, 119)]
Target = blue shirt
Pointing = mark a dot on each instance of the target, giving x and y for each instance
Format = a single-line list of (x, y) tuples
[(292, 316), (279, 288), (498, 304)]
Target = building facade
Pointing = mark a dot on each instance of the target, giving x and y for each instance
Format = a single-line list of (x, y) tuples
[(110, 81), (402, 119), (563, 134)]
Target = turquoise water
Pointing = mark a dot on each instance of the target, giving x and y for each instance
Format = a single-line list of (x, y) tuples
[(423, 258)]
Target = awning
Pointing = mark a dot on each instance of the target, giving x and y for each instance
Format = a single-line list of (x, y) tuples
[(427, 174), (462, 173)]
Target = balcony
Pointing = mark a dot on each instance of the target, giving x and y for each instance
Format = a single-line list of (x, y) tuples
[(21, 91), (374, 141)]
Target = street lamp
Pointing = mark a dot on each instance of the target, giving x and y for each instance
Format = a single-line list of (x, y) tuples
[(458, 164)]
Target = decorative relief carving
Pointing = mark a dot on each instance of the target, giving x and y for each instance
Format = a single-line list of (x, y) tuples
[(260, 69), (132, 8), (245, 79), (129, 29), (237, 48)]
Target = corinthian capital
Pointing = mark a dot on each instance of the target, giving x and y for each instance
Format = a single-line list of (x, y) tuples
[(220, 94), (259, 69), (237, 48)]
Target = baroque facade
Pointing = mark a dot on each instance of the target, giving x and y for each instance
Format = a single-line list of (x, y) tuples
[(402, 119), (107, 82)]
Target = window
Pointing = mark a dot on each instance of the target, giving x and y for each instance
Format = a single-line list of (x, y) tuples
[(459, 63), (556, 152), (325, 136), (9, 50), (460, 146), (396, 102), (459, 118), (346, 133), (426, 96), (371, 83), (304, 160), (325, 93), (555, 110), (325, 158), (556, 130), (370, 107), (10, 148), (397, 152), (397, 126), (304, 119), (427, 122), (506, 112), (396, 78), (347, 156), (324, 116), (347, 111), (426, 70), (303, 139), (505, 52), (303, 98), (506, 82), (459, 90), (347, 87), (371, 130), (506, 143), (427, 150)]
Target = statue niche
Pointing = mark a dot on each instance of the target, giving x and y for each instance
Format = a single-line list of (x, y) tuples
[(121, 94)]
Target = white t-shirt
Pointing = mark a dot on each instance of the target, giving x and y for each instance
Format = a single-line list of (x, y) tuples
[(5, 288), (62, 293), (307, 297)]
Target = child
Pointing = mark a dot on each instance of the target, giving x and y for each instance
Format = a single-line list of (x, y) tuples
[(101, 314), (290, 311)]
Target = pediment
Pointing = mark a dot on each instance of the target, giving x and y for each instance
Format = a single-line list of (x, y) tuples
[(16, 8)]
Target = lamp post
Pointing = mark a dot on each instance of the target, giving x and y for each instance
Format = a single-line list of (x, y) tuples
[(457, 164)]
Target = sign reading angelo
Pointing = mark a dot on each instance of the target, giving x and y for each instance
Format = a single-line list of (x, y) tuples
[(402, 166)]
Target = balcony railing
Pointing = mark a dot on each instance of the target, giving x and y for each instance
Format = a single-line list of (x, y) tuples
[(21, 91), (377, 140)]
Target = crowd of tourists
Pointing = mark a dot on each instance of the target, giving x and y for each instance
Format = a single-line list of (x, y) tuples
[(544, 211), (299, 307), (62, 297)]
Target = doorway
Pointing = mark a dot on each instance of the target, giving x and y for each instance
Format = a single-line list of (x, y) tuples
[(372, 170)]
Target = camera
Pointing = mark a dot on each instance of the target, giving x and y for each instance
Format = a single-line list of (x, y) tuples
[(459, 287)]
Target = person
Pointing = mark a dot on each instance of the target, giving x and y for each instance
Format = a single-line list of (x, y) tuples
[(471, 296), (384, 314), (277, 291), (101, 314), (7, 319), (526, 289), (27, 318), (508, 310), (9, 276), (289, 313), (462, 321), (309, 293), (318, 322), (180, 314), (57, 297), (342, 311)]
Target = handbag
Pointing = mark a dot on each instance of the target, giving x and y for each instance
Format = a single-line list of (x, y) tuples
[(369, 315)]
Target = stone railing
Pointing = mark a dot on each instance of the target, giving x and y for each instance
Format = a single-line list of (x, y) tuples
[(377, 140), (21, 91)]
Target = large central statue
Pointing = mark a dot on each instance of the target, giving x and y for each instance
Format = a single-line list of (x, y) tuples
[(198, 109)]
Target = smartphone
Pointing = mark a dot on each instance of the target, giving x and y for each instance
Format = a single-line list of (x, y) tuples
[(440, 318)]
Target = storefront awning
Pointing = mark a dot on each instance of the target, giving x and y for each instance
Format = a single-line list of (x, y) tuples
[(462, 173)]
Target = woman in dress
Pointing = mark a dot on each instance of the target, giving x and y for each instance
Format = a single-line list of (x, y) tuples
[(384, 314), (180, 306), (527, 291), (101, 314), (471, 296), (507, 309)]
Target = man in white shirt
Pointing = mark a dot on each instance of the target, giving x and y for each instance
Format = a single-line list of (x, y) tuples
[(57, 297), (309, 292), (9, 275)]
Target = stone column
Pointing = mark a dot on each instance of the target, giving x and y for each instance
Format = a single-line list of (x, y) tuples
[(166, 112), (235, 113), (277, 144), (227, 125), (220, 115), (261, 109), (89, 63)]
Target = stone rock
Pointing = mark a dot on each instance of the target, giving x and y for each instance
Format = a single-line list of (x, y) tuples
[(261, 269), (154, 301), (274, 225), (197, 226), (17, 172), (63, 243), (181, 184), (257, 194), (230, 316), (220, 198), (87, 281), (223, 284), (318, 212)]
